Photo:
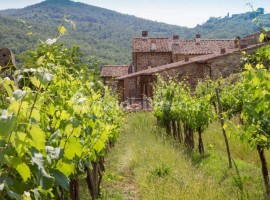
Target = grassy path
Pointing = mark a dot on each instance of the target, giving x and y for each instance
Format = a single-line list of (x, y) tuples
[(145, 164)]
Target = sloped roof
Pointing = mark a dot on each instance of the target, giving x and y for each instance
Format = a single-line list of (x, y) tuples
[(190, 47), (169, 66), (184, 47), (197, 59), (114, 70), (143, 44)]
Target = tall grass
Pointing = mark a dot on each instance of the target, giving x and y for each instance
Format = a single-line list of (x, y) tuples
[(147, 164), (240, 149)]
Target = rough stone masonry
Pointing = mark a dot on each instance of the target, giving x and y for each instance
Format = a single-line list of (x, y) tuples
[(7, 61)]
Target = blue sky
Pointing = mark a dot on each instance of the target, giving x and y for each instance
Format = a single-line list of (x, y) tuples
[(179, 12)]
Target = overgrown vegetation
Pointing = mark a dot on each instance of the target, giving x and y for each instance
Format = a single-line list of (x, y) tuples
[(146, 163), (57, 121)]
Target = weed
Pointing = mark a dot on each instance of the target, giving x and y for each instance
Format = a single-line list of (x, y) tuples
[(162, 170)]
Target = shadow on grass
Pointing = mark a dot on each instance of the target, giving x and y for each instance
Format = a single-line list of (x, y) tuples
[(196, 157)]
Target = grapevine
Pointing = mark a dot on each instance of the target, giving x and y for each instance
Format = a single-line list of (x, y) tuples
[(56, 123)]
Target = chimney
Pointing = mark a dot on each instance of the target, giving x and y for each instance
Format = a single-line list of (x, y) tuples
[(243, 44), (144, 33), (186, 58), (198, 39), (153, 45), (237, 42), (222, 51), (175, 40)]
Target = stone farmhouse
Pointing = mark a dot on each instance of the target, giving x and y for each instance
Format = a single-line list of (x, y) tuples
[(109, 73), (172, 57)]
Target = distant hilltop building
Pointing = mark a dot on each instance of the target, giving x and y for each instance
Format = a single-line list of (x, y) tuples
[(176, 58), (260, 11), (251, 15)]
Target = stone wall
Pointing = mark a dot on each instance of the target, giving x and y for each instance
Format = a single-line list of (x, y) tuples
[(143, 60), (7, 62), (225, 65), (130, 87), (221, 66), (181, 57), (253, 39), (189, 73)]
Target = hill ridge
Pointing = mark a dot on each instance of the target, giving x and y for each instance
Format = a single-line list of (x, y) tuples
[(104, 33)]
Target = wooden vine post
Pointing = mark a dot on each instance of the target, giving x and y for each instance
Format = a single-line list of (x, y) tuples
[(222, 126), (200, 145), (264, 170)]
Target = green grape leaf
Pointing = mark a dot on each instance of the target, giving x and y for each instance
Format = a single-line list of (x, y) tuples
[(20, 143), (35, 82), (36, 115), (45, 180), (38, 137), (7, 122), (12, 194), (19, 94), (2, 186), (99, 145), (55, 123), (73, 148), (37, 158), (40, 60), (263, 138), (60, 179), (44, 76), (53, 153), (36, 194), (21, 168), (26, 196), (262, 37), (66, 169), (62, 30), (77, 131), (248, 67), (24, 171), (64, 115), (68, 130), (23, 106), (54, 136), (8, 89), (50, 56), (75, 123)]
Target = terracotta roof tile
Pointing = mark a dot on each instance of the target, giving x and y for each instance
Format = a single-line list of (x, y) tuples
[(189, 47), (145, 45), (184, 47), (201, 58), (114, 70)]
